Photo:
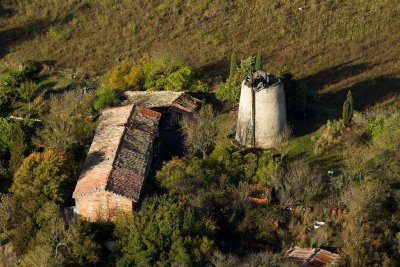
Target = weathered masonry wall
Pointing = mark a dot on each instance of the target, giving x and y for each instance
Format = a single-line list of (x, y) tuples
[(102, 206), (269, 115)]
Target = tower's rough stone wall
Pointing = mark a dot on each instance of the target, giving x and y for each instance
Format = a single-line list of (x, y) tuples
[(269, 107)]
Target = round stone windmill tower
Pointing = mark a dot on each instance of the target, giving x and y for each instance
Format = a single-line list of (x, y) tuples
[(262, 111)]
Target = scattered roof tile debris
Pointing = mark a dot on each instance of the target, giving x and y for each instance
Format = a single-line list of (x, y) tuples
[(313, 257), (179, 100), (118, 158)]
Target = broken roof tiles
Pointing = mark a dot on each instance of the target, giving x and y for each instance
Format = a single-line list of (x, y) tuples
[(161, 99), (119, 155)]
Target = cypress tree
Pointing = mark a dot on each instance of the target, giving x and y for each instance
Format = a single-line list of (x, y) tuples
[(346, 113), (258, 61), (233, 65), (350, 99)]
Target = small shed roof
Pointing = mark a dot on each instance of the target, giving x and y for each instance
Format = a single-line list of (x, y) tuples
[(179, 100), (314, 257), (119, 155)]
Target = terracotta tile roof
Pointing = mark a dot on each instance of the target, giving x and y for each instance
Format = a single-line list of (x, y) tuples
[(312, 256), (119, 155), (179, 100)]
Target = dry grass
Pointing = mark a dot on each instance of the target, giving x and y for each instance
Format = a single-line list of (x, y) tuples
[(331, 45)]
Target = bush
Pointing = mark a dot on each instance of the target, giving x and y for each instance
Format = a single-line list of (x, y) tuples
[(105, 97), (31, 68), (167, 74), (124, 76), (200, 86)]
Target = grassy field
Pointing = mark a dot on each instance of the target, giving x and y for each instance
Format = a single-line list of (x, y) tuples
[(330, 45)]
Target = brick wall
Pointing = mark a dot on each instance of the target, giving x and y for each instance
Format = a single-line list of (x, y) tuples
[(102, 206)]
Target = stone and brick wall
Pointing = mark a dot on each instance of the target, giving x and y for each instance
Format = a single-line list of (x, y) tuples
[(102, 206)]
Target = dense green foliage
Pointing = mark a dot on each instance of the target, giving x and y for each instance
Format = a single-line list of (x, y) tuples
[(42, 176), (230, 90), (105, 97), (164, 233), (166, 73)]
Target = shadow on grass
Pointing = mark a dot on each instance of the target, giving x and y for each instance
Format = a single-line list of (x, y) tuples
[(365, 93), (31, 29), (328, 106)]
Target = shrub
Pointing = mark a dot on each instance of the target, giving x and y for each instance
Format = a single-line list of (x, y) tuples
[(387, 134), (106, 97), (27, 91), (268, 170), (200, 86), (167, 74), (124, 76), (178, 80), (31, 68)]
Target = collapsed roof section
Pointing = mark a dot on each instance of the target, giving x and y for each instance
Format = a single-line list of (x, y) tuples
[(181, 101), (261, 80)]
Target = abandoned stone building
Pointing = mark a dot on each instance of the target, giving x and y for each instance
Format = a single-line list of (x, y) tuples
[(125, 145), (262, 111)]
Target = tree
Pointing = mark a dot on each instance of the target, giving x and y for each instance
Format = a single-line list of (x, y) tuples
[(258, 65), (350, 99), (106, 97), (300, 184), (233, 65), (69, 123), (42, 175), (346, 116), (188, 175), (59, 242), (27, 91), (163, 233), (6, 137), (18, 147), (200, 130), (230, 90)]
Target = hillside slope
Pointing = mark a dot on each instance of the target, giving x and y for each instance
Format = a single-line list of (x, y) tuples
[(330, 45)]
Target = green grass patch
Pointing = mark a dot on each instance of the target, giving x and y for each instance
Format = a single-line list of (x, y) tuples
[(226, 123)]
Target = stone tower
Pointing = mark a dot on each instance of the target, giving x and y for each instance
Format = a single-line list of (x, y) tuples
[(262, 111)]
